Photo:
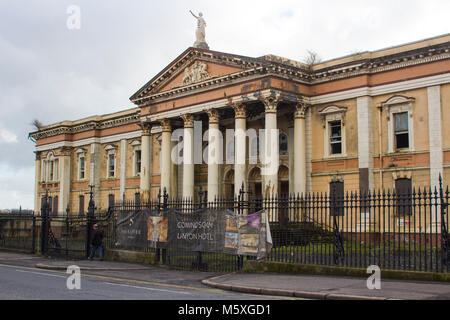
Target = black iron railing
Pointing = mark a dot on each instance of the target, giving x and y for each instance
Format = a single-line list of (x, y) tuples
[(400, 231)]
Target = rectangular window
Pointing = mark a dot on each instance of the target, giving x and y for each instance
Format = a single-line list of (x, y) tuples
[(138, 161), (335, 137), (337, 198), (82, 168), (401, 130), (403, 196), (111, 165)]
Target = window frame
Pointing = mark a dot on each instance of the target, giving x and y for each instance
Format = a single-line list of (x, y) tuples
[(396, 105), (111, 151), (329, 115)]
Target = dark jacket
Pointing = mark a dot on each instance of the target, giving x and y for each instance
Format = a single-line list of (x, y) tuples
[(97, 238)]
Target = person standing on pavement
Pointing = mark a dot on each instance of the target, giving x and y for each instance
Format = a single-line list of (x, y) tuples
[(96, 243)]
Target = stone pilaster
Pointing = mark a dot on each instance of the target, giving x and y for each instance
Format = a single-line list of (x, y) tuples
[(365, 143), (435, 142), (95, 170), (37, 179), (123, 167), (64, 179)]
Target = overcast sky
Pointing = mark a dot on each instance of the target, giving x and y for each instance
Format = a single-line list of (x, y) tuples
[(52, 73)]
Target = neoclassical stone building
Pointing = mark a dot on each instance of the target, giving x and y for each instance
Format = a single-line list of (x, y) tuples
[(366, 121)]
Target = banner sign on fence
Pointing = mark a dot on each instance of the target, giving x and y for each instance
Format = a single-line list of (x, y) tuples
[(205, 230)]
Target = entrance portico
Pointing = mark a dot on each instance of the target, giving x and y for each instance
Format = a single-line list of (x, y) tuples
[(240, 117)]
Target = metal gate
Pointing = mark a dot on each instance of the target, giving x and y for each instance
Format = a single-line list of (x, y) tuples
[(69, 236)]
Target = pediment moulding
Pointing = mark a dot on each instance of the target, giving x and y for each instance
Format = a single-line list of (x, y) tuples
[(81, 151), (135, 143), (111, 147), (333, 112), (398, 99), (360, 64)]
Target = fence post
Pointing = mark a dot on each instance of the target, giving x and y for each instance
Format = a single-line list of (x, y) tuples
[(165, 205), (241, 198), (199, 253), (33, 234), (445, 243), (45, 224), (67, 231), (89, 220), (338, 248)]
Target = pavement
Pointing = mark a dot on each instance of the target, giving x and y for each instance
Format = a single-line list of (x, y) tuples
[(282, 285)]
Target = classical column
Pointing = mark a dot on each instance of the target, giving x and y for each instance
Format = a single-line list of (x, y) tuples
[(146, 171), (214, 154), (188, 156), (165, 165), (270, 155), (299, 149), (64, 180), (240, 143)]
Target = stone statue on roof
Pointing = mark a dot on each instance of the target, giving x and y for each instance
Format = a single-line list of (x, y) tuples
[(201, 32)]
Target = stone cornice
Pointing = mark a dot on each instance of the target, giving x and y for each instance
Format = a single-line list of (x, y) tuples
[(382, 64), (87, 126)]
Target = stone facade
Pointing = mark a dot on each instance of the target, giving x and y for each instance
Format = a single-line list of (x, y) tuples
[(366, 120)]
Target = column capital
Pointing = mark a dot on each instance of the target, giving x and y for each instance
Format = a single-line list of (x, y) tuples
[(165, 125), (300, 110), (213, 115), (240, 110), (188, 120), (66, 151), (146, 128), (271, 104)]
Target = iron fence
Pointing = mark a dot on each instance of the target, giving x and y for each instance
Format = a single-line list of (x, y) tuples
[(399, 231)]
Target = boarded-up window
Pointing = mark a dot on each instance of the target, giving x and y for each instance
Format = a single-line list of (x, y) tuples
[(55, 206), (137, 199), (403, 191), (81, 206), (50, 205), (111, 200), (337, 198)]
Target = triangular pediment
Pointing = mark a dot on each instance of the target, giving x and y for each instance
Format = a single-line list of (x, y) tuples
[(195, 66)]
